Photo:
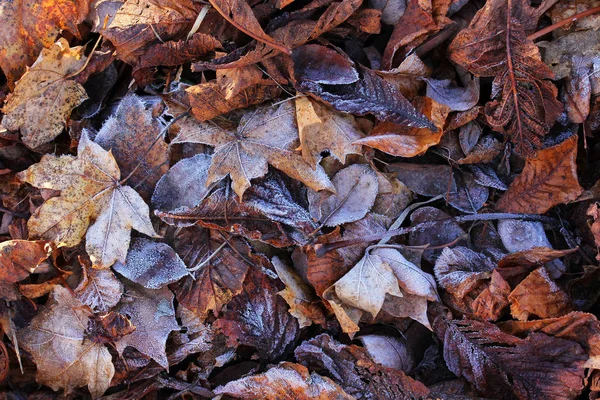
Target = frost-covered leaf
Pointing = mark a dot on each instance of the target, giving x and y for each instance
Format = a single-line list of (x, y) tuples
[(356, 188), (99, 289), (153, 315), (45, 96), (151, 264), (56, 338), (264, 136), (89, 189), (379, 347)]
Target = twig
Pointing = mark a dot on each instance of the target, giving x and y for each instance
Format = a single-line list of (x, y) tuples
[(564, 22)]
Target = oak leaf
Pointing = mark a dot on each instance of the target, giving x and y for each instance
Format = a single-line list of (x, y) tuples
[(286, 381), (25, 33), (264, 136), (90, 189), (548, 179), (45, 96), (496, 44), (64, 357)]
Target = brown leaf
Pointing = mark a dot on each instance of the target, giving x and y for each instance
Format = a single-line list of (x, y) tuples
[(152, 313), (548, 179), (45, 96), (526, 260), (174, 53), (56, 340), (595, 226), (219, 269), (264, 136), (321, 129), (258, 317), (492, 361), (99, 289), (133, 137), (538, 295), (286, 381), (25, 34), (492, 301), (353, 369), (407, 76), (18, 259), (405, 141), (89, 188), (209, 100), (496, 44)]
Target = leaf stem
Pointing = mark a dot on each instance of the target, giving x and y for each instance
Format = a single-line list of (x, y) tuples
[(564, 22)]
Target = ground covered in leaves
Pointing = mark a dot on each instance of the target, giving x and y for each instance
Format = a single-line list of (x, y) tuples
[(300, 199)]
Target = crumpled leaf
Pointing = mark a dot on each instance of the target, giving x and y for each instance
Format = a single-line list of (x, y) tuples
[(218, 278), (99, 289), (539, 296), (548, 179), (25, 34), (321, 129), (132, 136), (356, 188), (368, 93), (496, 44), (286, 381), (258, 317), (492, 361), (351, 367), (45, 96), (152, 313), (299, 296), (264, 136), (151, 264), (90, 189), (18, 259), (405, 141), (366, 284), (492, 301), (56, 338)]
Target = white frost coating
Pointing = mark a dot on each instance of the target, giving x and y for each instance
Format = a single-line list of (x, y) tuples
[(100, 290), (184, 185), (388, 351), (356, 189), (151, 264)]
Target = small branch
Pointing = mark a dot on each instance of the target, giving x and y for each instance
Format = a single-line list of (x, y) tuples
[(564, 22), (322, 249), (13, 213)]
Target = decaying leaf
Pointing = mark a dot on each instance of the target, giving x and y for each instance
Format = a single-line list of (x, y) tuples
[(90, 188), (46, 94), (99, 289), (64, 357), (264, 136), (286, 381), (548, 179), (18, 259)]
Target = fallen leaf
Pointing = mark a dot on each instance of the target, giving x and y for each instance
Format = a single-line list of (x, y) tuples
[(134, 138), (458, 98), (286, 381), (258, 317), (264, 136), (56, 340), (90, 188), (152, 313), (492, 301), (18, 259), (99, 289), (322, 129), (538, 295), (593, 212), (173, 53), (150, 264), (492, 361), (45, 96), (25, 34), (379, 348), (548, 179), (356, 188)]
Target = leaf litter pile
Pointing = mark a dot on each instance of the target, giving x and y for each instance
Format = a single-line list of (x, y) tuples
[(300, 199)]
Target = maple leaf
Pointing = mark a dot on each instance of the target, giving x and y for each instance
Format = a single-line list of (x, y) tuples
[(322, 129), (25, 33), (264, 136), (56, 339), (495, 44), (89, 189), (286, 381), (45, 96), (153, 316), (548, 179)]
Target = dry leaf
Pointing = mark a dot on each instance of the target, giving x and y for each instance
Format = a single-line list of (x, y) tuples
[(18, 259), (56, 339), (99, 289), (90, 188), (45, 96), (548, 179)]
